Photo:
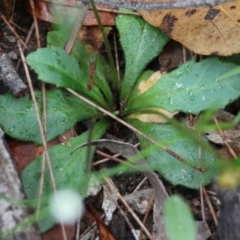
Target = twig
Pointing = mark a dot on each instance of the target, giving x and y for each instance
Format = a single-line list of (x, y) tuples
[(129, 209), (104, 159), (119, 208), (201, 187), (40, 126), (149, 207), (202, 204), (140, 184), (117, 11), (13, 31), (17, 26), (224, 138), (115, 159), (26, 42), (116, 56), (210, 206), (35, 24)]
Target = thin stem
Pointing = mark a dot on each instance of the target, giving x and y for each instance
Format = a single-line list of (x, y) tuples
[(108, 49)]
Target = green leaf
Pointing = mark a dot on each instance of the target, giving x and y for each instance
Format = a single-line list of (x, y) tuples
[(179, 222), (18, 117), (172, 169), (191, 88), (102, 72), (54, 65), (141, 42), (68, 168)]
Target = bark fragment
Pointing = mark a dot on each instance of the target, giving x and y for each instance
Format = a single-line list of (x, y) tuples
[(12, 213)]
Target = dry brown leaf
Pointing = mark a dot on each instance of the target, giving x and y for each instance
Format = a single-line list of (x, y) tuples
[(42, 10), (160, 115), (103, 231), (203, 30)]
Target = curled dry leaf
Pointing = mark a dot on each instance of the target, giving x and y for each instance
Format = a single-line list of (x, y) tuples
[(203, 30), (103, 231), (159, 115), (232, 136)]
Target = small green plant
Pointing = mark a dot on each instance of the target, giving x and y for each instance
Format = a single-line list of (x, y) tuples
[(192, 88)]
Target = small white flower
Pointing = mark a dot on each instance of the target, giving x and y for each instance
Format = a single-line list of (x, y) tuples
[(66, 206)]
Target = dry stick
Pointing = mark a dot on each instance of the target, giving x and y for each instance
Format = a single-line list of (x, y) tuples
[(147, 214), (108, 157), (89, 229), (43, 84), (117, 11), (104, 160), (17, 26), (120, 210), (40, 191), (210, 206), (26, 42), (202, 204), (129, 209), (116, 56), (35, 24), (134, 129), (40, 125), (201, 193), (77, 234), (115, 159), (224, 138), (13, 31), (140, 184), (212, 193)]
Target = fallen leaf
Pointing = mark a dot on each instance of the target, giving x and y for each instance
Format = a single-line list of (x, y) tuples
[(25, 152), (42, 10), (232, 136), (107, 18), (104, 233), (203, 30), (55, 233), (156, 115)]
